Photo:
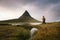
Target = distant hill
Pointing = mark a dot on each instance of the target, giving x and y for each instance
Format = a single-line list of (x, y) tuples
[(24, 18)]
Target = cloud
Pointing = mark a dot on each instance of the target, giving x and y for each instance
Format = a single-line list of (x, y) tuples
[(14, 3), (53, 1), (37, 8), (21, 3)]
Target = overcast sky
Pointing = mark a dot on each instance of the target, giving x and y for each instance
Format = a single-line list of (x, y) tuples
[(11, 9)]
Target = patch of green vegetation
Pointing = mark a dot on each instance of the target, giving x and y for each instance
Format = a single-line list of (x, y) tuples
[(13, 33), (23, 35)]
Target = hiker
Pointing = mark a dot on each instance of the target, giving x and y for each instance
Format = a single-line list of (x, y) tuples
[(43, 20)]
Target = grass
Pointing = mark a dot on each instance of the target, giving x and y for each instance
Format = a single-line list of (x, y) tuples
[(13, 33), (49, 31)]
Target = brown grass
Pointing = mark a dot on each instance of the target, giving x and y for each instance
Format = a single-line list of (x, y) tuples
[(50, 31)]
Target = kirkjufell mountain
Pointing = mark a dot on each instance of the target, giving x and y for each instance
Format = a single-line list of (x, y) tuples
[(25, 18)]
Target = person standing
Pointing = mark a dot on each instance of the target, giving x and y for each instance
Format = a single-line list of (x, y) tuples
[(43, 20)]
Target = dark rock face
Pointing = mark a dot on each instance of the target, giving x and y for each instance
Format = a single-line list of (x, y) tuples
[(26, 13), (27, 18)]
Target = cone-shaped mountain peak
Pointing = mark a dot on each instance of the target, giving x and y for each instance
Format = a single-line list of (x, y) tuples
[(26, 13), (27, 18)]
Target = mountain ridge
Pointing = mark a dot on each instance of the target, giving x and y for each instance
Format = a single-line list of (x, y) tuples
[(26, 17)]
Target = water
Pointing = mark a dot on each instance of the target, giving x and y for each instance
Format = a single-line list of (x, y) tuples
[(32, 31), (24, 23), (35, 23)]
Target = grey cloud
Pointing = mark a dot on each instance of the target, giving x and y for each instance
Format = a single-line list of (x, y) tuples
[(53, 1), (14, 2), (8, 3), (47, 2), (40, 4), (56, 10)]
